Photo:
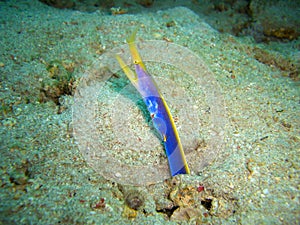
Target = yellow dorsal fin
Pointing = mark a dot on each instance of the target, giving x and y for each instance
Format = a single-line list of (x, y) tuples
[(133, 50)]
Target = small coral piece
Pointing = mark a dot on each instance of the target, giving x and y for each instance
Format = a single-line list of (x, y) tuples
[(100, 204), (118, 11), (129, 213), (200, 188), (60, 81)]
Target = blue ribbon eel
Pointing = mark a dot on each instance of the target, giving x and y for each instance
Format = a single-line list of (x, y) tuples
[(158, 108)]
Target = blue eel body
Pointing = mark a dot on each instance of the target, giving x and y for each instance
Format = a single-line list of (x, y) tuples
[(159, 111)]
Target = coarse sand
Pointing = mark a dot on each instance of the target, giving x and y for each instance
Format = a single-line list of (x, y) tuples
[(243, 96)]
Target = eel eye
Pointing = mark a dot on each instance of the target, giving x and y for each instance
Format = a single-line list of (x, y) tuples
[(136, 62)]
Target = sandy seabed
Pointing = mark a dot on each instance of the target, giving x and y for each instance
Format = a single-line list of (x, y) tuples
[(45, 178)]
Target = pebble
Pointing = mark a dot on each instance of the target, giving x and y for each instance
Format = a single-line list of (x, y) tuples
[(266, 191), (9, 122)]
